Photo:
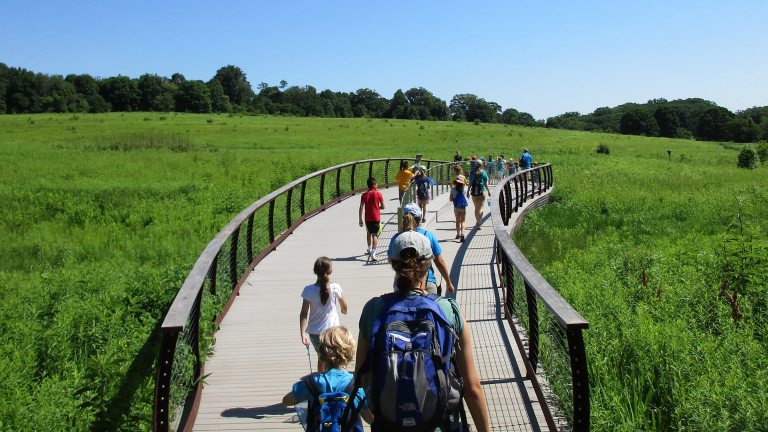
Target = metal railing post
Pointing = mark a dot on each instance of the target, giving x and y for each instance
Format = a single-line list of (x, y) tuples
[(533, 328), (580, 379)]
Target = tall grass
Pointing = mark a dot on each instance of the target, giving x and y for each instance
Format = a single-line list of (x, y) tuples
[(103, 215)]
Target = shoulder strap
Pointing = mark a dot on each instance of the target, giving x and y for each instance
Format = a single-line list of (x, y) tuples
[(311, 384)]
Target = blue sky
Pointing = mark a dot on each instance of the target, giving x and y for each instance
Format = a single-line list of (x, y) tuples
[(545, 57)]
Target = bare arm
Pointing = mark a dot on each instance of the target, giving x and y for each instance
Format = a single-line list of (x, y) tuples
[(288, 399), (473, 392), (443, 269), (303, 322), (343, 304), (360, 212)]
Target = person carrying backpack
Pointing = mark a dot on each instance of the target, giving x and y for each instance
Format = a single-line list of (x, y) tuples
[(420, 388), (423, 183), (328, 394), (478, 188)]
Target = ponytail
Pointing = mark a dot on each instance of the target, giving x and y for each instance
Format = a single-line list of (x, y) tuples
[(322, 269), (409, 222), (409, 272)]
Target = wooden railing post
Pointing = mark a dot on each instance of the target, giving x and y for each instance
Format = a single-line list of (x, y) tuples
[(386, 172), (352, 178), (303, 195)]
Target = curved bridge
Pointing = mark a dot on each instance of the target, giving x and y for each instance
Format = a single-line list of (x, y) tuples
[(243, 293)]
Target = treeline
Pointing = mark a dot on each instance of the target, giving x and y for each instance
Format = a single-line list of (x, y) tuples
[(682, 118), (23, 91)]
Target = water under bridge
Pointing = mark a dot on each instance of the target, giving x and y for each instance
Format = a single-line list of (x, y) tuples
[(230, 343)]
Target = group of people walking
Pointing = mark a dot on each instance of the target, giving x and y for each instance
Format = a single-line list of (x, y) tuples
[(414, 366)]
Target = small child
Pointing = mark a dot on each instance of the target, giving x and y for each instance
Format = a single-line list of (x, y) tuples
[(459, 206), (337, 350), (403, 178), (423, 183), (319, 310), (372, 202)]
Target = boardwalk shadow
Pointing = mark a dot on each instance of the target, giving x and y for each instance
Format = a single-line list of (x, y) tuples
[(257, 412)]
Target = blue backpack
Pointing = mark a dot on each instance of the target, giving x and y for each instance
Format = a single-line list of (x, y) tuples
[(327, 410), (412, 360)]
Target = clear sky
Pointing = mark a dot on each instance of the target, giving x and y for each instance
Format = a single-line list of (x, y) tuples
[(541, 57)]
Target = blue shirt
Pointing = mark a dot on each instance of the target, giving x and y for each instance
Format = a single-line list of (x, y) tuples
[(526, 160), (433, 243), (337, 378)]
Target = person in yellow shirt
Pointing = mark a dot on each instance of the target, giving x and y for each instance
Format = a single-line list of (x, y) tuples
[(403, 178)]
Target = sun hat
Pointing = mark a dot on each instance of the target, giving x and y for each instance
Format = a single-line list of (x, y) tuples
[(413, 209), (410, 240)]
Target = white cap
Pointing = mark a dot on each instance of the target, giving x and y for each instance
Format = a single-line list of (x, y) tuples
[(410, 240)]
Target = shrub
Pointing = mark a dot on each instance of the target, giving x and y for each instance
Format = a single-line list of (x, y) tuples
[(603, 149), (747, 158), (762, 152)]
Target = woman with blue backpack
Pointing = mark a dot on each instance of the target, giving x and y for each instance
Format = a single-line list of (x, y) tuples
[(328, 394), (414, 351)]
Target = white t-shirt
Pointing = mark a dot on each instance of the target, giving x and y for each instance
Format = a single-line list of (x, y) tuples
[(322, 316)]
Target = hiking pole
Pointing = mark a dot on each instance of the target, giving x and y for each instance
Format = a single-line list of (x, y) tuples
[(309, 359)]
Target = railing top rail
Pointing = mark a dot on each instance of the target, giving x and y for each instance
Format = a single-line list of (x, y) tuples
[(561, 309), (179, 310)]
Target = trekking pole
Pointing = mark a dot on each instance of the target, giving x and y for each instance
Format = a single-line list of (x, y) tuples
[(309, 359)]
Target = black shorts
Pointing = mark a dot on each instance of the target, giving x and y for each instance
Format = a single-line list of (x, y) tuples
[(373, 227)]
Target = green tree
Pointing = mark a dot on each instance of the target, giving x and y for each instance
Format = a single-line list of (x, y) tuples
[(713, 124), (219, 101), (742, 130), (121, 92), (666, 118), (368, 103), (470, 107), (88, 87), (747, 158), (762, 152), (3, 86), (337, 104), (156, 93), (235, 84), (193, 96), (638, 121), (398, 106)]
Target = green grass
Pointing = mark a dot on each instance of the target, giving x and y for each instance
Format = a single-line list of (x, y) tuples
[(103, 215)]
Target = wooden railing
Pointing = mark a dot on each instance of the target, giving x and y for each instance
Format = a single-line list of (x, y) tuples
[(215, 280), (539, 316)]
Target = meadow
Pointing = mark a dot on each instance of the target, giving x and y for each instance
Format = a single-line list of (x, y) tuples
[(103, 215)]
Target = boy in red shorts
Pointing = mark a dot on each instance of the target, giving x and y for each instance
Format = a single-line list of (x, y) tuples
[(372, 202)]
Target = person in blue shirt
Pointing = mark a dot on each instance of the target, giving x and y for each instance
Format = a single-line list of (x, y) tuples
[(526, 160), (336, 351), (411, 217)]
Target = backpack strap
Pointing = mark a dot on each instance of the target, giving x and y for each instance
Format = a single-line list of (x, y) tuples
[(352, 410)]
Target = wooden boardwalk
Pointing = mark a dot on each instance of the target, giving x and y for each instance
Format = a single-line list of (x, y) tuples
[(258, 352)]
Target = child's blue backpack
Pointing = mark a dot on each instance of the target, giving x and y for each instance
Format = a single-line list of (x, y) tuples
[(327, 410), (412, 359)]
